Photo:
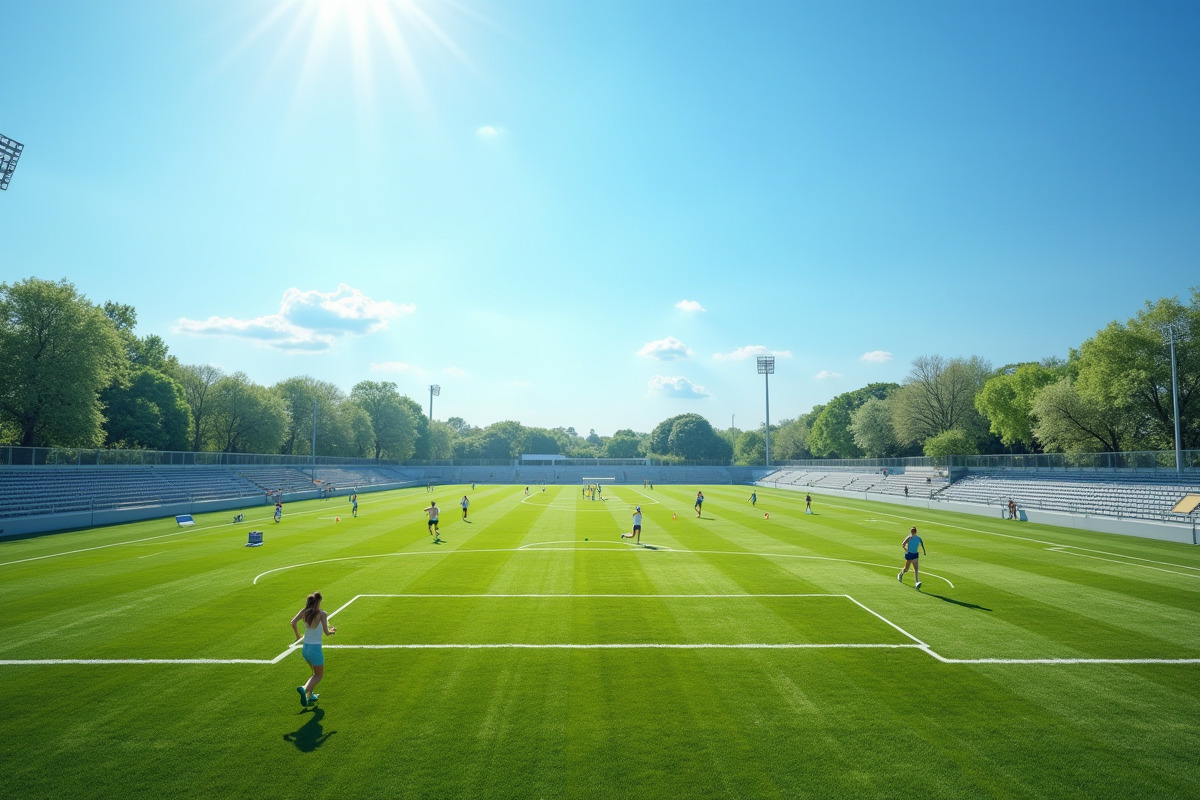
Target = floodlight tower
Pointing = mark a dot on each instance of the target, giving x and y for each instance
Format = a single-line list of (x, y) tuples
[(434, 391), (10, 151), (766, 368), (1171, 331)]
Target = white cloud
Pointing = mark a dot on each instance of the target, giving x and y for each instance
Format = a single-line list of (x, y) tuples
[(751, 351), (487, 132), (307, 321), (825, 374), (457, 372), (690, 305), (876, 357), (676, 387), (668, 349)]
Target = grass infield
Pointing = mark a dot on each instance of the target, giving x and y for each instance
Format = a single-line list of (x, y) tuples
[(534, 653)]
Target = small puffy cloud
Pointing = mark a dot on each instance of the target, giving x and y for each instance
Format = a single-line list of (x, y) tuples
[(668, 349), (307, 321), (826, 374), (678, 387), (751, 351), (487, 132), (690, 305), (876, 357)]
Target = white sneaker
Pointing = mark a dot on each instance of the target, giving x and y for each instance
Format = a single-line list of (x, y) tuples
[(900, 577), (918, 585)]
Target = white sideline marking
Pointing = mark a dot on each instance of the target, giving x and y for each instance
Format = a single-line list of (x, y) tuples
[(1067, 550), (632, 646), (916, 645), (20, 662), (533, 547)]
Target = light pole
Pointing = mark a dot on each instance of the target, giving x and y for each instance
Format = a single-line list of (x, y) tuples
[(766, 368), (434, 391), (1169, 334), (314, 442)]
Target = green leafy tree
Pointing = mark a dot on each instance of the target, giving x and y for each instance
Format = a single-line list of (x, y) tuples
[(1069, 421), (539, 441), (421, 444), (301, 395), (1128, 366), (392, 423), (871, 426), (148, 410), (751, 448), (950, 443), (57, 353), (624, 443), (689, 437), (246, 417), (1006, 400), (831, 435), (441, 440), (938, 395), (198, 382)]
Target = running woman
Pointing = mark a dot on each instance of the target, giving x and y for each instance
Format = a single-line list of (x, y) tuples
[(637, 526), (911, 543), (432, 511), (699, 502), (278, 510), (754, 498), (464, 503), (316, 622)]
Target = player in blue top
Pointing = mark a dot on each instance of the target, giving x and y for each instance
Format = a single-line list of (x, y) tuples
[(754, 498), (911, 544), (699, 502), (278, 510)]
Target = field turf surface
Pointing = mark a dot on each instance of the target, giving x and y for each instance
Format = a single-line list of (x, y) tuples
[(533, 653)]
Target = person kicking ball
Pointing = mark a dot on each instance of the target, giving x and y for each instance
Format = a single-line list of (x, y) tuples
[(911, 557), (637, 526)]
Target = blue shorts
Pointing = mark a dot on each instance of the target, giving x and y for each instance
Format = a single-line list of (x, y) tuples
[(911, 556), (313, 654)]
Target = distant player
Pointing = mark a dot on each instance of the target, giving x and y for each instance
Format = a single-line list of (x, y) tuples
[(808, 504), (464, 503), (911, 557), (754, 498), (278, 510), (432, 512), (316, 622), (637, 526), (699, 503), (354, 506)]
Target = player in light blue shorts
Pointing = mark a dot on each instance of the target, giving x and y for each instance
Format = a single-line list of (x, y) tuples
[(316, 622), (911, 544)]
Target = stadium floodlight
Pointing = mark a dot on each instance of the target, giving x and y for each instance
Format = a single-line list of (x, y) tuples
[(10, 151), (766, 368), (434, 391), (1172, 331)]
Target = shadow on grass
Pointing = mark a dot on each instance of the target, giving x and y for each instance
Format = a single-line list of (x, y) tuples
[(956, 602), (311, 734)]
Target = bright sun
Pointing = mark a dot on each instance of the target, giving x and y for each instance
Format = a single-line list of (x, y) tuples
[(373, 35)]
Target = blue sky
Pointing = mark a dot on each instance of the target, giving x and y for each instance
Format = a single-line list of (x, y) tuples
[(595, 214)]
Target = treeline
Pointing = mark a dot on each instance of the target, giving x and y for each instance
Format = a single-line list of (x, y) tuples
[(74, 374)]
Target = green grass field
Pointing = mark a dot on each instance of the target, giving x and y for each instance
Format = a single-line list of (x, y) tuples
[(533, 653)]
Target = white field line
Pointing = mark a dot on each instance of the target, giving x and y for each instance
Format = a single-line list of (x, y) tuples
[(917, 643), (631, 646), (1049, 545), (888, 621), (534, 547), (1120, 560)]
